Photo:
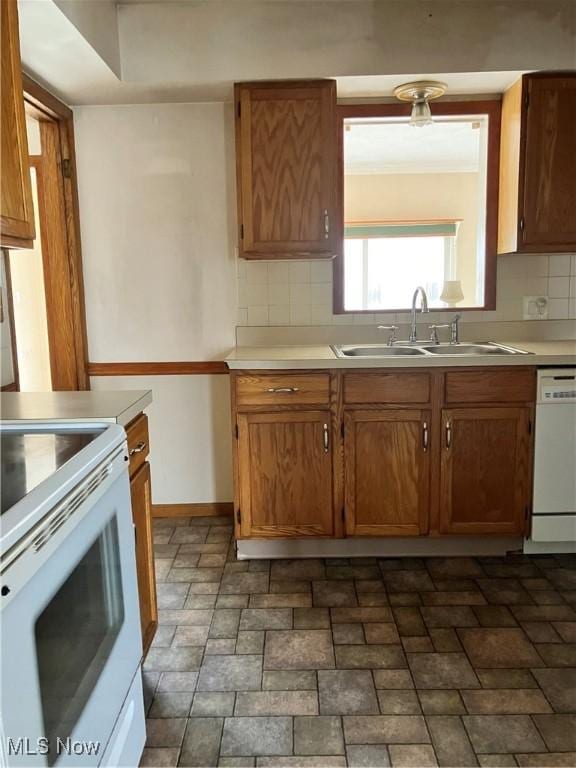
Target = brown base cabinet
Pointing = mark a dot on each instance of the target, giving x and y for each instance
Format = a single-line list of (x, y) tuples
[(388, 453), (140, 491), (286, 471), (485, 470), (387, 472)]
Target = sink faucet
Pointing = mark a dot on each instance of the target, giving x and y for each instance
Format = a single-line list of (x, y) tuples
[(423, 308), (454, 329)]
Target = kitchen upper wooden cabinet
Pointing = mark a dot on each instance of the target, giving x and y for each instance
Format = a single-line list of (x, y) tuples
[(285, 474), (485, 470), (286, 169), (537, 202), (387, 472), (16, 212)]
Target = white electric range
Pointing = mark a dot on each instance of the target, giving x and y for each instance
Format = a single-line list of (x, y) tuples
[(71, 689)]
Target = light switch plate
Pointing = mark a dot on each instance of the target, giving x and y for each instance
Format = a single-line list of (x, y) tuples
[(535, 307)]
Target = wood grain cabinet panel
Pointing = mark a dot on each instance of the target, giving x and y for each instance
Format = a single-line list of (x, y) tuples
[(491, 385), (138, 442), (537, 208), (285, 474), (140, 491), (286, 168), (390, 388), (283, 389), (485, 470), (16, 212), (455, 457), (387, 472)]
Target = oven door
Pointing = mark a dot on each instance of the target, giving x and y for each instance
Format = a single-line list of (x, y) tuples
[(71, 640)]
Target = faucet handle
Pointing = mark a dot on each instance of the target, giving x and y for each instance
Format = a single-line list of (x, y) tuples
[(392, 337), (454, 336), (434, 331)]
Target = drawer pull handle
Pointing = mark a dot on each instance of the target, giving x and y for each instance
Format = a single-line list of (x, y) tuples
[(425, 436), (283, 390), (448, 435), (326, 225), (138, 448), (326, 438)]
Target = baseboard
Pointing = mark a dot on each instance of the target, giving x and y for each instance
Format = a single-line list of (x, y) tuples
[(391, 546), (209, 509)]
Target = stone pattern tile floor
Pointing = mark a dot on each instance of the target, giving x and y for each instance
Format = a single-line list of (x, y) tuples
[(360, 662)]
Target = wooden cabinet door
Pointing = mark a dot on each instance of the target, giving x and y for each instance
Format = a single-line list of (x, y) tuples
[(387, 472), (142, 518), (286, 168), (548, 184), (16, 212), (485, 470), (285, 474)]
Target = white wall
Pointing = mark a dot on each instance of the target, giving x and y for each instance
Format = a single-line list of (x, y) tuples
[(157, 202), (157, 225), (6, 365), (97, 22), (190, 443)]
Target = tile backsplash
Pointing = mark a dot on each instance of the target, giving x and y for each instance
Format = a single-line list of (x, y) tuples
[(299, 293)]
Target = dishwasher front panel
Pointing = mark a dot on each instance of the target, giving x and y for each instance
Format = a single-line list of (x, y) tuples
[(555, 459)]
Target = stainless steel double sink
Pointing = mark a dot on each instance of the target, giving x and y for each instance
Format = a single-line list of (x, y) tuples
[(400, 349)]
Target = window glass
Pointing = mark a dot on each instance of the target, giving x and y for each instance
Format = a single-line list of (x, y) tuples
[(379, 272), (75, 634), (414, 212)]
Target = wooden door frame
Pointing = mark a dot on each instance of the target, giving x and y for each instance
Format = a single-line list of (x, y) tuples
[(14, 386), (68, 345), (490, 107)]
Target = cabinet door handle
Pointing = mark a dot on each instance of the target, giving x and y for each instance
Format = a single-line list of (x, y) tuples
[(326, 438), (326, 225), (425, 436), (283, 390), (448, 435), (138, 448)]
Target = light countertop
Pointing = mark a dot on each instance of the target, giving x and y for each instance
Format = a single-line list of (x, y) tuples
[(119, 407), (322, 356)]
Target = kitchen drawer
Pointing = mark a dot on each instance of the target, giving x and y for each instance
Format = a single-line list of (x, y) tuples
[(490, 386), (138, 442), (283, 389), (394, 388)]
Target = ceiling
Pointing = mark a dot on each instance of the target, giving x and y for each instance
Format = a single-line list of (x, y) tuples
[(379, 147), (154, 51)]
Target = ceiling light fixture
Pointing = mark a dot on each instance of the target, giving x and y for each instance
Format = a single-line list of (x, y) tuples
[(420, 93)]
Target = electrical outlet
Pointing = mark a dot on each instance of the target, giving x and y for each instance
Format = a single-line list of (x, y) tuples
[(535, 307)]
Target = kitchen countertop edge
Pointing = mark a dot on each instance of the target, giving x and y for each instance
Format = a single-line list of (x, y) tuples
[(120, 407), (543, 353)]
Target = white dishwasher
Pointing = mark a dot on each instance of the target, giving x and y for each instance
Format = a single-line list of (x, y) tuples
[(554, 506)]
